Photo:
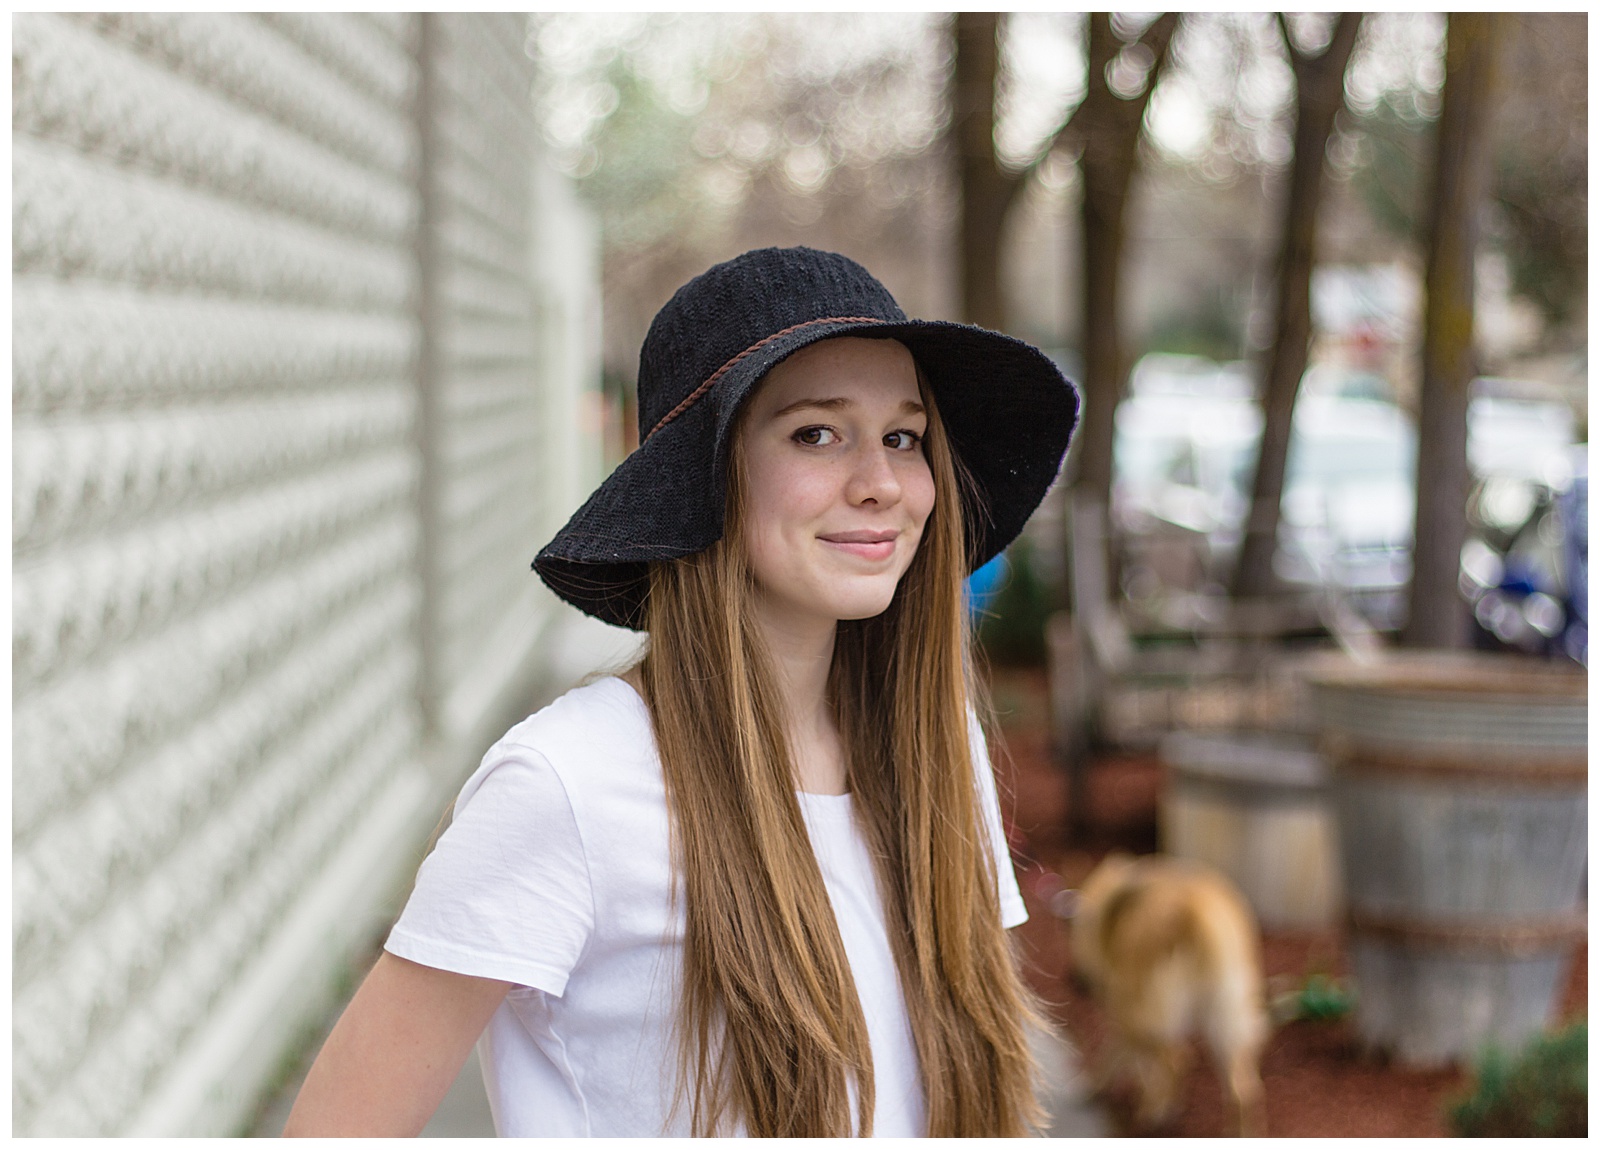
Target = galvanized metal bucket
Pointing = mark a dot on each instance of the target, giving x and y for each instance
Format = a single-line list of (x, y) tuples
[(1254, 804), (1460, 790)]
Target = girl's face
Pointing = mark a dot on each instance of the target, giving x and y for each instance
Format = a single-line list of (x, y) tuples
[(837, 490)]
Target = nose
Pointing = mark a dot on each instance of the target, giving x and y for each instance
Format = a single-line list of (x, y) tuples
[(874, 479)]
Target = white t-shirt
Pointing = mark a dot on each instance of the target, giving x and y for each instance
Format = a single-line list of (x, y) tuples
[(555, 876)]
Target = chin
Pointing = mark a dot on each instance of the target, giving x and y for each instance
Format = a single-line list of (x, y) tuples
[(863, 606), (864, 612), (834, 597)]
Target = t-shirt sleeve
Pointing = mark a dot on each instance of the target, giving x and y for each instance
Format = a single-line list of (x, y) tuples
[(1012, 910), (506, 892)]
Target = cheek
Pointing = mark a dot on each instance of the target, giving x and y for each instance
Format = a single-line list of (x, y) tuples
[(918, 494), (786, 495), (781, 503)]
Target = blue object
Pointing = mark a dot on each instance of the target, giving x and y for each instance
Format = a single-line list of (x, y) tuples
[(984, 584), (1574, 506)]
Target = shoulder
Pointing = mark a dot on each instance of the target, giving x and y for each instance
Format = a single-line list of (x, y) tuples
[(606, 712), (596, 736)]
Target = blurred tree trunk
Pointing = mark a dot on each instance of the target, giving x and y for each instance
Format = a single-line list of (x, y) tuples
[(1109, 125), (1319, 87), (987, 189), (1437, 616)]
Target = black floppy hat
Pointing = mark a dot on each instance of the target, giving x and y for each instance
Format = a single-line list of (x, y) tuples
[(1008, 414)]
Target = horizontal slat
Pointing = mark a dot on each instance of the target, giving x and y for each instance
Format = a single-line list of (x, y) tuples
[(467, 187), (399, 27), (88, 344), (473, 244), (261, 70), (75, 735), (492, 377), (71, 604), (96, 96), (236, 875), (75, 474), (358, 49), (95, 854), (75, 216), (479, 299)]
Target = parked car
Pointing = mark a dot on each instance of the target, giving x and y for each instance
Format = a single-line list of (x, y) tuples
[(1186, 440), (1185, 452), (1184, 437)]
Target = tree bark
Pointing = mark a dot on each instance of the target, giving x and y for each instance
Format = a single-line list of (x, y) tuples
[(987, 189), (1437, 616), (1109, 126), (1319, 85)]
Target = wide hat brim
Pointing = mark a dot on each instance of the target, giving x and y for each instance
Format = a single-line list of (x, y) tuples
[(1006, 408)]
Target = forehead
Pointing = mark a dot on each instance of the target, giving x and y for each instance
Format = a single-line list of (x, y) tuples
[(868, 371)]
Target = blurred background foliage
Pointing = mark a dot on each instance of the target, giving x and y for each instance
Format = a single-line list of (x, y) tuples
[(699, 135), (1538, 215)]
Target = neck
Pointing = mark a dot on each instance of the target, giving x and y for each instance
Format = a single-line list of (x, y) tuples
[(802, 655)]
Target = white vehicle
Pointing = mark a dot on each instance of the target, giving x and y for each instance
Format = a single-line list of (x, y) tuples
[(1349, 501), (1186, 440), (1183, 436)]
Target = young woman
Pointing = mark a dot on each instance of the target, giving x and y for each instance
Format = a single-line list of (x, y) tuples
[(757, 884)]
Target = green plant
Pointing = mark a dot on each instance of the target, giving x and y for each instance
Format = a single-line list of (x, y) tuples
[(1540, 1092), (1323, 998), (1319, 998)]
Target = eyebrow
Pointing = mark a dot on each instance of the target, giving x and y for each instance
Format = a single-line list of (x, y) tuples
[(839, 403)]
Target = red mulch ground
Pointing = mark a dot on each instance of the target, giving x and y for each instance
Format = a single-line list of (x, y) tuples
[(1318, 1083)]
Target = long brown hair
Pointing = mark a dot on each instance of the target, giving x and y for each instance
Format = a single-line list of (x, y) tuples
[(770, 1028)]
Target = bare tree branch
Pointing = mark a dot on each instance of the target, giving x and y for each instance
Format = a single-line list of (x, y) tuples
[(1319, 94)]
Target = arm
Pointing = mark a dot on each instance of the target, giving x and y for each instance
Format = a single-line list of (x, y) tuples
[(394, 1052)]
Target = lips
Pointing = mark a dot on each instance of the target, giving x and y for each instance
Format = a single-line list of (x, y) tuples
[(864, 544)]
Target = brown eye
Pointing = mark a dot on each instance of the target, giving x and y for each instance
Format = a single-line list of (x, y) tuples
[(902, 440), (815, 436)]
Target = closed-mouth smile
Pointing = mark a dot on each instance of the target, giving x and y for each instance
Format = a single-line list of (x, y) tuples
[(865, 544)]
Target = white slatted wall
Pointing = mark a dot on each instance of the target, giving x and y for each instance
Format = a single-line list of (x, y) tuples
[(483, 183), (223, 756)]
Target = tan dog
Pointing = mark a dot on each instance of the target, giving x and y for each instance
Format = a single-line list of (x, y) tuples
[(1171, 950)]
